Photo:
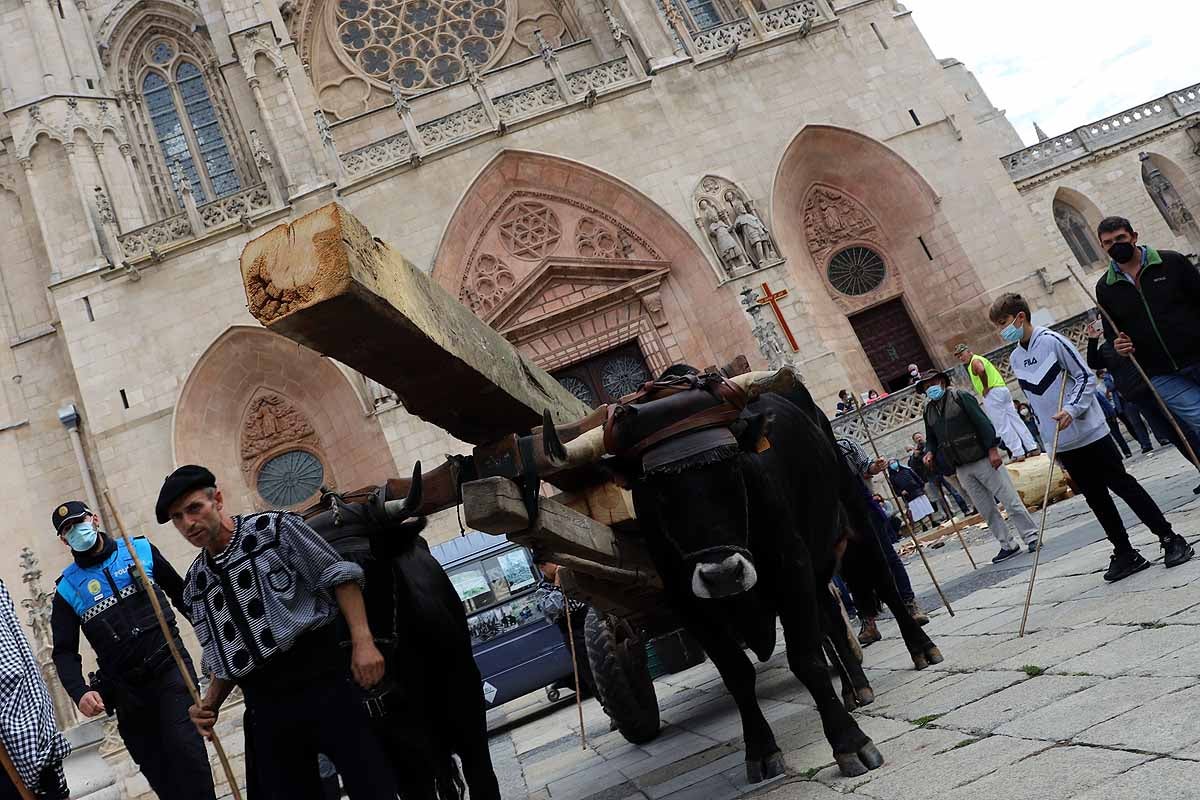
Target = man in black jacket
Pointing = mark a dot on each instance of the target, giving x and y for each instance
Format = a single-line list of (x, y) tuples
[(101, 594), (1153, 297)]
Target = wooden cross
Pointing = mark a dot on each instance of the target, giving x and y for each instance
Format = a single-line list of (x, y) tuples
[(772, 300)]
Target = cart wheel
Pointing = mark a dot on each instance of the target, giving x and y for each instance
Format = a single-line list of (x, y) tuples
[(618, 659), (552, 694)]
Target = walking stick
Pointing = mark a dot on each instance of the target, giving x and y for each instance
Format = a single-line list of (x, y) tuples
[(1187, 445), (574, 665), (11, 770), (911, 526), (955, 525), (144, 579), (1037, 553)]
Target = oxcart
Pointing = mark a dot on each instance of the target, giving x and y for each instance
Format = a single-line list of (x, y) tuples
[(324, 282)]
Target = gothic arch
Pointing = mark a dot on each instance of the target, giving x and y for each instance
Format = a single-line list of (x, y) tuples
[(1179, 203), (1077, 218), (253, 395), (655, 258)]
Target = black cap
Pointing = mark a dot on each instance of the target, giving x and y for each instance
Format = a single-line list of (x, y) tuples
[(179, 483), (69, 513), (928, 376)]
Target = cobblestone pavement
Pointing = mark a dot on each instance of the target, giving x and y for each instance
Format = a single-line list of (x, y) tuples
[(1098, 700)]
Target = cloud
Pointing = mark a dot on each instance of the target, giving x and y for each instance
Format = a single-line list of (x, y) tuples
[(1065, 64)]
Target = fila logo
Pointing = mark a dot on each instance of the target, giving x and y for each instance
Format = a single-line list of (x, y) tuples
[(1029, 362)]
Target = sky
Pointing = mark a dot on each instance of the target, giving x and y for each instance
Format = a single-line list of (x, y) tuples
[(1064, 63)]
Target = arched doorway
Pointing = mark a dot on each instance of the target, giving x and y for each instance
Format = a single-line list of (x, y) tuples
[(862, 228), (275, 421)]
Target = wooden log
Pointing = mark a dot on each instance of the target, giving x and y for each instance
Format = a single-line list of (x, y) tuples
[(324, 282), (1029, 478), (607, 596), (495, 505), (606, 503)]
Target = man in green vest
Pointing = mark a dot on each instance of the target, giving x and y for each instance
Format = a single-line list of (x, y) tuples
[(961, 435), (998, 403)]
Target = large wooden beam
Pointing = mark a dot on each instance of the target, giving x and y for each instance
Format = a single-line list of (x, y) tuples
[(325, 282)]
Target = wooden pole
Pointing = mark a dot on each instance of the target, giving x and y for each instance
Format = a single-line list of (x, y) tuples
[(1187, 445), (955, 524), (1037, 553), (574, 663), (11, 770), (911, 528), (148, 587)]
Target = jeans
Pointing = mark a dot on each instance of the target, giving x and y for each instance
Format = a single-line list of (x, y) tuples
[(1132, 418), (1115, 431), (1099, 473), (1181, 392)]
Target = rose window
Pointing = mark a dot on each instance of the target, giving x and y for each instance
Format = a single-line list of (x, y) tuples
[(623, 375), (290, 477), (529, 230), (594, 240), (580, 389), (856, 270), (420, 44)]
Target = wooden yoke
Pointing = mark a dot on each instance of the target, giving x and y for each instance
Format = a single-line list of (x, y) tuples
[(325, 282)]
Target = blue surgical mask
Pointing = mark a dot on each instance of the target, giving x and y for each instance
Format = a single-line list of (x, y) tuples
[(82, 537), (1012, 333), (894, 465), (935, 392)]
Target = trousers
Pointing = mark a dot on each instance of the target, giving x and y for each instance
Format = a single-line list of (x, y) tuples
[(162, 741), (52, 784), (998, 404), (1181, 392), (1097, 470), (1114, 431), (983, 483)]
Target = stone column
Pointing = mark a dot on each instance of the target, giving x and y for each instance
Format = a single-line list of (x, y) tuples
[(406, 117), (551, 62), (93, 52), (131, 172), (39, 212), (38, 31), (648, 30), (77, 83), (261, 103), (184, 187), (327, 141), (485, 97), (39, 605), (266, 169), (7, 97), (314, 147), (81, 193), (625, 42), (679, 25), (760, 30), (109, 226)]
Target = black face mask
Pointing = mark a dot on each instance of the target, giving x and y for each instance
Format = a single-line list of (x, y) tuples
[(1121, 252)]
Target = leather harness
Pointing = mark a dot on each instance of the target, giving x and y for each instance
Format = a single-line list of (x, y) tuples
[(730, 401)]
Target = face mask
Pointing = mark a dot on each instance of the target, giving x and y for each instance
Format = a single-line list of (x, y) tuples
[(1121, 252), (894, 465), (1012, 333), (935, 393), (82, 537)]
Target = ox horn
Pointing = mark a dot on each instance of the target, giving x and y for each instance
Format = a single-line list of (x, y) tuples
[(755, 384), (587, 448), (399, 510)]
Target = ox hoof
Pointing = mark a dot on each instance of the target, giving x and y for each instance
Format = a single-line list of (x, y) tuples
[(850, 765), (934, 655), (849, 701), (764, 769), (919, 661), (870, 756), (866, 696)]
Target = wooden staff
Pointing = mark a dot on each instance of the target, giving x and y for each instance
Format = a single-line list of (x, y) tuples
[(955, 524), (166, 630), (911, 527), (574, 663), (1187, 445), (1037, 552), (11, 770)]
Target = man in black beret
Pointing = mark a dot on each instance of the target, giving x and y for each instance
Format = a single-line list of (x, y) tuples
[(138, 680), (263, 596)]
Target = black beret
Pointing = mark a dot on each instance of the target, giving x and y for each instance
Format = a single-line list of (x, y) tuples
[(69, 512), (179, 483)]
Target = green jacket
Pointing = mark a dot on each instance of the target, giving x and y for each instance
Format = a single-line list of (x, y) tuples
[(957, 429)]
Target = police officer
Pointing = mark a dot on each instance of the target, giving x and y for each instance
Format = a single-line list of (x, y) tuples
[(138, 679)]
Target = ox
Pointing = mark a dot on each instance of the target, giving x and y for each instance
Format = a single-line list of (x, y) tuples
[(430, 706), (745, 505)]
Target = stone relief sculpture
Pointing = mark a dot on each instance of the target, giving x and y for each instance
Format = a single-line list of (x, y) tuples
[(765, 332), (271, 421), (723, 208), (832, 217)]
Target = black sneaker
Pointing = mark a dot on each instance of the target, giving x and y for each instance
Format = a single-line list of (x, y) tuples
[(1005, 554), (1176, 550), (1122, 565), (1032, 546)]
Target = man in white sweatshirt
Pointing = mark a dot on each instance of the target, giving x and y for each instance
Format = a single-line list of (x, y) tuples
[(1041, 362)]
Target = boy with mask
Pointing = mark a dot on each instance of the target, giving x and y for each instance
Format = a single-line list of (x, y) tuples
[(102, 594), (1042, 361)]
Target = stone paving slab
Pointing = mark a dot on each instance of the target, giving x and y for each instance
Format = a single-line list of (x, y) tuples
[(816, 753), (913, 746), (1161, 779), (1056, 774), (989, 713), (1129, 653), (1054, 646), (1164, 725), (947, 695), (1067, 718)]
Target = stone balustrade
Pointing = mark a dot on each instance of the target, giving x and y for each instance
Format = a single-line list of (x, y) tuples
[(728, 38), (220, 214), (151, 238), (235, 207), (1102, 133)]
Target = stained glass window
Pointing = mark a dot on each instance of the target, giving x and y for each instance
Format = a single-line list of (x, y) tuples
[(1077, 232), (290, 478), (856, 270), (169, 130), (214, 153), (704, 13)]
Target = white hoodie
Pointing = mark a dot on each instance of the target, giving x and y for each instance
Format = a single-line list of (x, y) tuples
[(1039, 367)]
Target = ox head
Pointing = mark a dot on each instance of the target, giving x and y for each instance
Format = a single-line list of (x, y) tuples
[(692, 483)]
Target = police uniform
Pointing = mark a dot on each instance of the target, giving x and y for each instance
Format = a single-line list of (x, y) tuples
[(101, 594)]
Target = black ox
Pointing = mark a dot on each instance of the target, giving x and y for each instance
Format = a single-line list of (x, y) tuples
[(430, 706), (746, 507)]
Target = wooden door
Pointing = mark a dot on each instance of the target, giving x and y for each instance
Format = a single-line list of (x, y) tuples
[(607, 377), (891, 342)]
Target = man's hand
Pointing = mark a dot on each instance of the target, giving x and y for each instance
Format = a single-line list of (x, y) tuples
[(1123, 344), (928, 459), (1094, 330), (994, 458), (204, 717), (366, 663), (91, 704), (877, 466), (1064, 420)]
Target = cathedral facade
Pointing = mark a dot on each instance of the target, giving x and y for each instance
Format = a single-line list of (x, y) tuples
[(615, 187)]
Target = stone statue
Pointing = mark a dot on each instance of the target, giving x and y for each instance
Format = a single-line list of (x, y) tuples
[(755, 236), (720, 232)]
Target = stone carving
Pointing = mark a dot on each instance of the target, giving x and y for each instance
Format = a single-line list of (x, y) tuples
[(529, 230), (653, 303), (395, 149), (1166, 198), (544, 47), (600, 77), (765, 332), (534, 31), (720, 202), (756, 239), (39, 605), (486, 284), (267, 300), (720, 233), (619, 33), (593, 239), (528, 101), (103, 207), (262, 158), (346, 97), (271, 421), (832, 218), (323, 129)]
